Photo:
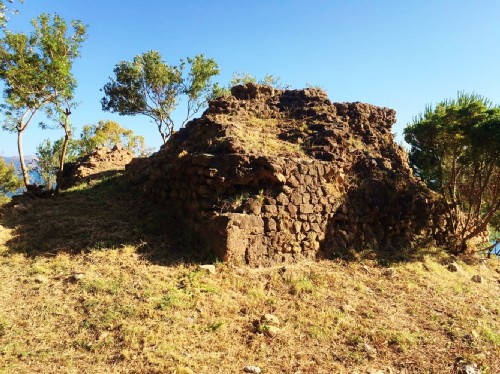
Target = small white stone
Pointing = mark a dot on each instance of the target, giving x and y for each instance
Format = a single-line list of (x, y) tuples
[(252, 369), (271, 331), (41, 279), (209, 268), (346, 308), (269, 319)]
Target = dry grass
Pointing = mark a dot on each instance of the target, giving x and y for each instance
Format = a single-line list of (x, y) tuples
[(115, 308), (261, 135)]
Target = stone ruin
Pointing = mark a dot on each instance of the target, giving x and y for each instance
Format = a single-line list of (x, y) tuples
[(268, 176), (96, 164)]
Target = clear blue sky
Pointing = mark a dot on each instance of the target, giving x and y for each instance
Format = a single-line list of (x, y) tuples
[(398, 54)]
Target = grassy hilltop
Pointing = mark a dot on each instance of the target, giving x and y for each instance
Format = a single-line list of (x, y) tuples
[(87, 285)]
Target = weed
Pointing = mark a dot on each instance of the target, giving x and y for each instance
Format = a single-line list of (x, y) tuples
[(216, 325), (404, 339), (102, 286), (301, 285), (261, 197), (489, 334)]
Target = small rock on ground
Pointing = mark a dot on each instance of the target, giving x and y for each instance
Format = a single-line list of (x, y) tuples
[(41, 279), (477, 278), (208, 268), (252, 369), (269, 319), (372, 352), (271, 331), (468, 369), (453, 267)]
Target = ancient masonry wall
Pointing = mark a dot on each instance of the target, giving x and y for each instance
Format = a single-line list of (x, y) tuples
[(283, 217), (349, 188)]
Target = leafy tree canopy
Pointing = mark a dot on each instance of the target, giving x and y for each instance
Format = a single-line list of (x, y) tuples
[(149, 86), (109, 134), (455, 148), (4, 10), (48, 156), (9, 180), (103, 134), (36, 71)]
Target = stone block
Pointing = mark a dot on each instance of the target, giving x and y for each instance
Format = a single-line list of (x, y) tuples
[(282, 199), (270, 209), (270, 224), (306, 208), (293, 182), (292, 209)]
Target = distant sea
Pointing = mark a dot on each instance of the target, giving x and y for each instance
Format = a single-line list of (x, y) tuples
[(30, 162)]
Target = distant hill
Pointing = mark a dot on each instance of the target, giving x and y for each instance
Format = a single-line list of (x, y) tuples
[(30, 160)]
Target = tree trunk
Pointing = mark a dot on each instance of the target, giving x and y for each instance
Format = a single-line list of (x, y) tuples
[(63, 154), (24, 169)]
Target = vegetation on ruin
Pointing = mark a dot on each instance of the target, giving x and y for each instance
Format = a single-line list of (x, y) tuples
[(102, 134), (455, 148)]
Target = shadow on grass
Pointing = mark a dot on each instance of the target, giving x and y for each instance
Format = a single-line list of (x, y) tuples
[(103, 214)]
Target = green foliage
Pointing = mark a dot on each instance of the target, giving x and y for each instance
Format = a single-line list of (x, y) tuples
[(37, 68), (149, 86), (455, 148), (109, 134), (268, 80), (9, 180), (220, 91), (244, 78), (48, 157), (4, 10), (103, 134), (36, 71)]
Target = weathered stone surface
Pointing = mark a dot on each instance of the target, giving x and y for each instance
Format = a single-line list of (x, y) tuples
[(93, 165), (306, 208), (268, 175), (252, 369), (453, 267), (477, 278), (208, 268)]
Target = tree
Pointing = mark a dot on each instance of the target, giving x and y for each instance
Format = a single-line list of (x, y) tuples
[(109, 134), (4, 10), (455, 148), (9, 180), (104, 134), (36, 71), (151, 87), (48, 156)]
